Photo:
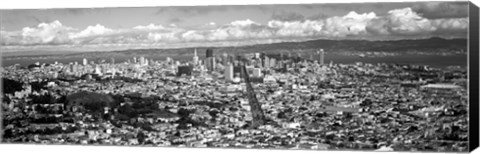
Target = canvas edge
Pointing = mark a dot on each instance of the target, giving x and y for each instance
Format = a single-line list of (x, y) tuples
[(473, 42)]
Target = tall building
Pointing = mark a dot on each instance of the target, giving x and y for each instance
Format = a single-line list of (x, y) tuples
[(104, 68), (257, 72), (209, 53), (146, 62), (273, 62), (237, 71), (257, 55), (72, 68), (134, 60), (213, 63), (195, 57), (76, 69), (184, 70), (206, 63), (285, 67), (114, 71), (85, 62), (152, 62), (98, 70), (210, 60), (228, 73), (322, 57), (142, 60), (266, 62), (259, 63), (225, 59), (231, 59)]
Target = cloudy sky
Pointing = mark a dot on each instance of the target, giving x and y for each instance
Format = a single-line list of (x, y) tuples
[(182, 26)]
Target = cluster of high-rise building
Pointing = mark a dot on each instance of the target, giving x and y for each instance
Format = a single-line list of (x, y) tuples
[(105, 69), (258, 65), (308, 97)]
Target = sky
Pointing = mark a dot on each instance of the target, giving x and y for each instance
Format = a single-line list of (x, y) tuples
[(89, 29)]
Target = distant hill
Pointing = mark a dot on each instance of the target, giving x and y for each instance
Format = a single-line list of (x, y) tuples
[(37, 53), (431, 44), (425, 45), (364, 45)]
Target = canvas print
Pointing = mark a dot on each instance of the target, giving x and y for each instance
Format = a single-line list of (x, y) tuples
[(352, 76)]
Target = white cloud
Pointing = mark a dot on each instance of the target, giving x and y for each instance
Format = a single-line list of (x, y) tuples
[(46, 33), (243, 23), (163, 36), (407, 22), (7, 38), (350, 24), (149, 27), (398, 22), (338, 26), (296, 28), (238, 30), (218, 34), (451, 24), (378, 26), (193, 35), (92, 31)]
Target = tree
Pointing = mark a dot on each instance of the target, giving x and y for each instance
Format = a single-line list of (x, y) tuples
[(43, 99), (11, 86), (37, 86), (258, 117)]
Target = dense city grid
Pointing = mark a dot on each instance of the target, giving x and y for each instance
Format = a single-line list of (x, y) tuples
[(308, 104)]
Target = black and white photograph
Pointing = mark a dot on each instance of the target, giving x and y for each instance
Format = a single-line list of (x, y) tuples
[(373, 76)]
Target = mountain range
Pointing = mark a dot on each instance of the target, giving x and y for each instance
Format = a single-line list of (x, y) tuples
[(425, 45)]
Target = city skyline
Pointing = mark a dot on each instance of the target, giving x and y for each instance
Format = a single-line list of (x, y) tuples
[(358, 76), (190, 26)]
